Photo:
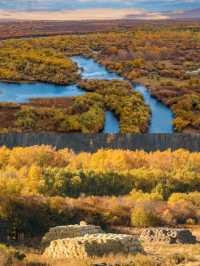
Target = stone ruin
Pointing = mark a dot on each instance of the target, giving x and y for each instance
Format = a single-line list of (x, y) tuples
[(94, 245), (70, 231), (83, 241), (168, 235)]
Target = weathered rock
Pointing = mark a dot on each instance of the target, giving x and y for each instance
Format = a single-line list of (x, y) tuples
[(70, 231), (168, 235), (93, 245)]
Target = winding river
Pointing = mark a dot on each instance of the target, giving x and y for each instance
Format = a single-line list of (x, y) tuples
[(161, 121)]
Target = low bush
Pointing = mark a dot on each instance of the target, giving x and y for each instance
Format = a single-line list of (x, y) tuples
[(9, 256), (141, 216)]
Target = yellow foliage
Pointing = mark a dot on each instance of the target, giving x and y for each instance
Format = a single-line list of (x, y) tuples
[(44, 170)]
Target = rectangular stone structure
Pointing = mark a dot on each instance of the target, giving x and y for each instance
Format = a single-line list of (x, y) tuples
[(69, 231), (96, 245), (168, 235)]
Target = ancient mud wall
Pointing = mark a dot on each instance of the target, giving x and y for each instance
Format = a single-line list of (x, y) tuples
[(93, 142), (70, 231), (96, 245)]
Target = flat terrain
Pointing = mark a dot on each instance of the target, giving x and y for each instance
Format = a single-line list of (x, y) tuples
[(157, 254), (164, 56), (16, 28)]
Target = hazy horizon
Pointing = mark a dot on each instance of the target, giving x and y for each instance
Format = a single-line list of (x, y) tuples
[(96, 9), (58, 5)]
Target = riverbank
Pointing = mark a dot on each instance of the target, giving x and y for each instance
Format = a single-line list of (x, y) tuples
[(93, 71), (104, 106), (165, 76)]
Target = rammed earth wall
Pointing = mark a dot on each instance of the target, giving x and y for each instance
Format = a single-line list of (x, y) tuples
[(168, 235), (70, 231), (96, 245), (93, 142)]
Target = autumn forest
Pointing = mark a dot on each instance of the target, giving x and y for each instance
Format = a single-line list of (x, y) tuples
[(165, 59), (41, 185), (135, 73)]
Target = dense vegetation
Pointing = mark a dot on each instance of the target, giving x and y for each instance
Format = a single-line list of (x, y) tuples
[(84, 114), (20, 61), (127, 105), (187, 110), (164, 58), (106, 172), (41, 187)]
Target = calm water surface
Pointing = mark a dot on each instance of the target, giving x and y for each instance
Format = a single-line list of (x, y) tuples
[(161, 120), (20, 93)]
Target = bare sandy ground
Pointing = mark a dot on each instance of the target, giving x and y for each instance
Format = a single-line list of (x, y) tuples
[(86, 14)]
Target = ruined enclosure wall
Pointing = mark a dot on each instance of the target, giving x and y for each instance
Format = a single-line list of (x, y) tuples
[(93, 142), (96, 245), (70, 231)]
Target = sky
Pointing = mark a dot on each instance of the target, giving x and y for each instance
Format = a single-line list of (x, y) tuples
[(54, 5)]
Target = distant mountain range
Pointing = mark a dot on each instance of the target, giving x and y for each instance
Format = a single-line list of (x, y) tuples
[(99, 14), (182, 14), (187, 14)]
